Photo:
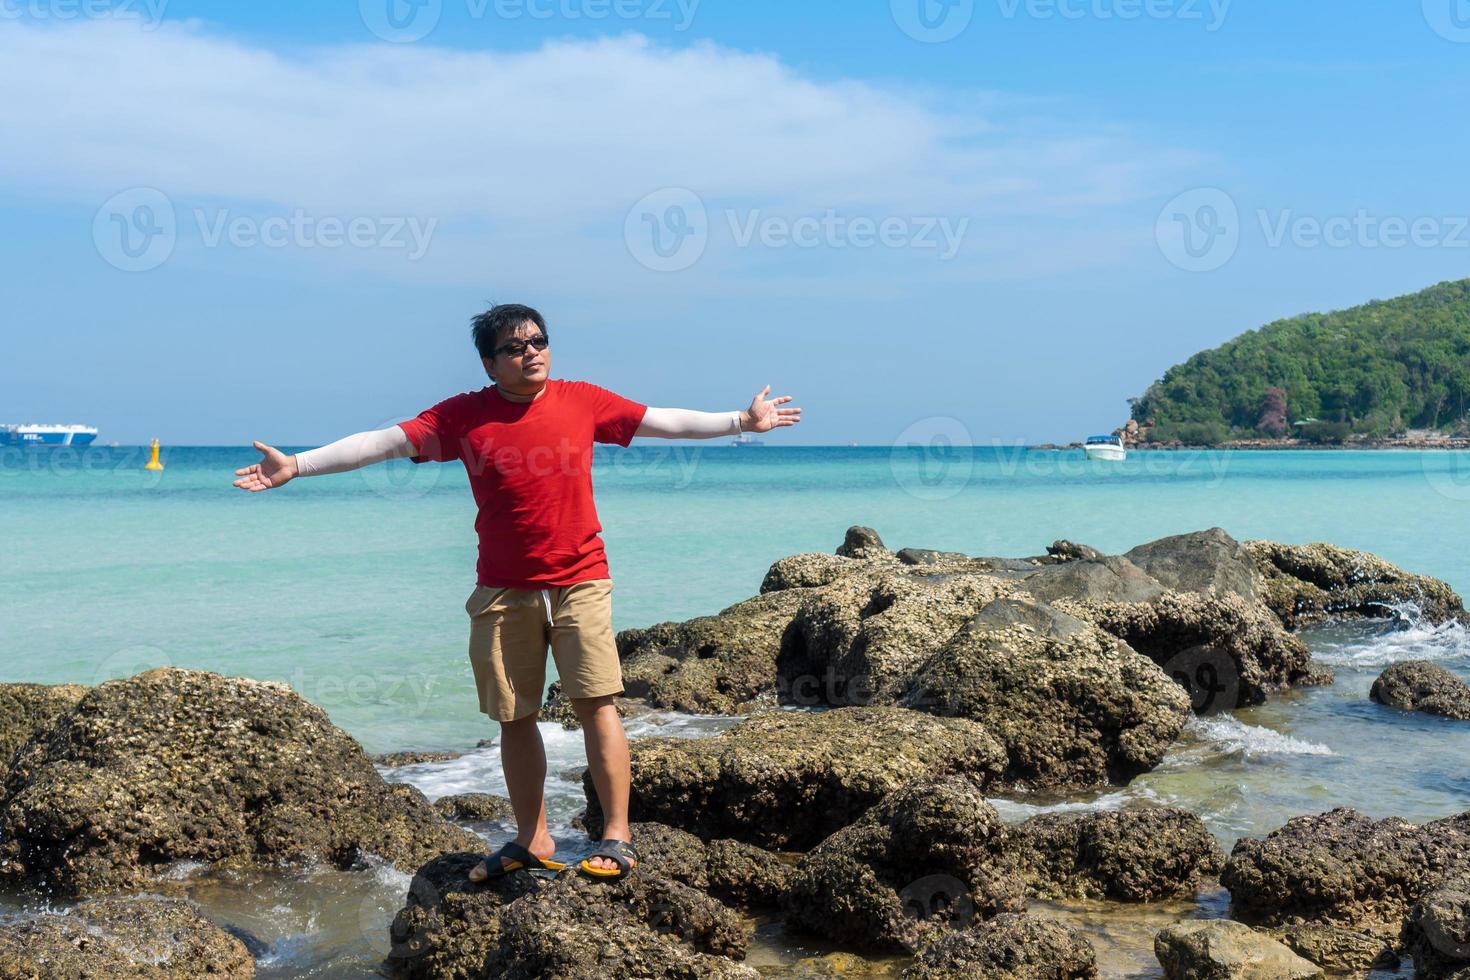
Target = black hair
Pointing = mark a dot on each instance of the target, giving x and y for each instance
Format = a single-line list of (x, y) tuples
[(486, 328)]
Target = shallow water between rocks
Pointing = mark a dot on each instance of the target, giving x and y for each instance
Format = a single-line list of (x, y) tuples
[(1245, 772)]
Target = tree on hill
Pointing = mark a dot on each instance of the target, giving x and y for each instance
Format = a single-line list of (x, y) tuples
[(1373, 370)]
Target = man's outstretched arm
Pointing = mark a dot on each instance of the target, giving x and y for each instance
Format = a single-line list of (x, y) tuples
[(354, 452), (763, 415)]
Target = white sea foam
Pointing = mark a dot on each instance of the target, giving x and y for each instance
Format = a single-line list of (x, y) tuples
[(478, 771), (1404, 635), (1235, 737), (1014, 811)]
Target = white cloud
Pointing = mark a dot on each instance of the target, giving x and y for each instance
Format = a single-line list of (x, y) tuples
[(558, 141)]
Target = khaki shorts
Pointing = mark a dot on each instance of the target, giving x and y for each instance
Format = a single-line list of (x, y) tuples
[(509, 631)]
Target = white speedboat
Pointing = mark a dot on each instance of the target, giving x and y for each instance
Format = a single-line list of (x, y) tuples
[(1105, 447)]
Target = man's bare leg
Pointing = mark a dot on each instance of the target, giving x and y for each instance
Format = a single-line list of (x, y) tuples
[(607, 759), (523, 758)]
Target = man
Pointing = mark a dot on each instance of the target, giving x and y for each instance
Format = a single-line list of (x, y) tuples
[(542, 574)]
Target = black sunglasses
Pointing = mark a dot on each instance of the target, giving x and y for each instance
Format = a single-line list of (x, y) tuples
[(518, 347)]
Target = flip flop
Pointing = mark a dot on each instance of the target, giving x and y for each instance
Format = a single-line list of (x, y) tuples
[(518, 859), (622, 852)]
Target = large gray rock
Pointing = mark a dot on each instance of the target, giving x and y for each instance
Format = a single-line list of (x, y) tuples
[(178, 765), (787, 779), (860, 640), (711, 664), (1437, 931), (1072, 705), (1199, 618), (1340, 950), (1241, 643), (1141, 855), (927, 859), (1011, 946), (134, 938), (863, 542), (1418, 685), (1344, 869), (570, 928), (1106, 579), (1219, 949), (1203, 561), (1309, 583)]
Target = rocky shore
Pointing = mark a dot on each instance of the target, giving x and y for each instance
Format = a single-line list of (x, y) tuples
[(884, 697)]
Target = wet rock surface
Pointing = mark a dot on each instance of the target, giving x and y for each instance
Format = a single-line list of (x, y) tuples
[(1246, 650), (568, 927), (1343, 869), (412, 757), (1310, 583), (1418, 685), (1219, 949), (711, 664), (184, 765), (1072, 705), (928, 859), (1010, 946), (475, 807), (1340, 950), (138, 938), (1437, 931), (785, 779), (26, 709), (1140, 855)]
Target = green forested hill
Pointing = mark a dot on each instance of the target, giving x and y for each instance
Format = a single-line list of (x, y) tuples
[(1374, 370)]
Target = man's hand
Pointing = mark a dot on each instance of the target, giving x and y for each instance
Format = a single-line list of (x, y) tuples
[(763, 415), (275, 469)]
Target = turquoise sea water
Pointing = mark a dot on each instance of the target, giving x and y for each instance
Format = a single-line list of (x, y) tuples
[(351, 588)]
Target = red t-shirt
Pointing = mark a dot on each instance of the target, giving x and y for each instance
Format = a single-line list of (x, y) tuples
[(530, 468)]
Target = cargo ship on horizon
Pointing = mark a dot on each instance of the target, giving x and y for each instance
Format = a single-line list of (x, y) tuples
[(47, 435)]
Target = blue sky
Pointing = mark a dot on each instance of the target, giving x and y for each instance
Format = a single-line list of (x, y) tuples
[(273, 220)]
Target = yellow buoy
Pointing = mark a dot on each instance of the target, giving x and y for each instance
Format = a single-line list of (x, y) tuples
[(154, 464)]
